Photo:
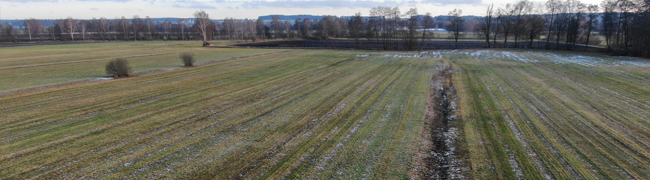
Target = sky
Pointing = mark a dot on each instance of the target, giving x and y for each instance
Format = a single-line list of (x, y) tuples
[(239, 9)]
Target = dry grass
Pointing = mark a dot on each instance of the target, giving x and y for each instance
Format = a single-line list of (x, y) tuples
[(327, 114), (300, 114)]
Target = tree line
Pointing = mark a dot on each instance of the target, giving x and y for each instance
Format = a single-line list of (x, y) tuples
[(619, 25)]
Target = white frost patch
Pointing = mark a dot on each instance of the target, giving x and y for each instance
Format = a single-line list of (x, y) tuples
[(434, 54), (632, 63), (591, 60), (363, 55), (103, 78), (518, 57), (401, 55)]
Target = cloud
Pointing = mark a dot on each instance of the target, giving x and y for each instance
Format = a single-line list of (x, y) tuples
[(192, 5), (105, 0), (24, 1), (317, 4), (445, 2), (94, 9), (352, 4)]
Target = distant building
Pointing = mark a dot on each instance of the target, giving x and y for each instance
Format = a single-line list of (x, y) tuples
[(433, 30)]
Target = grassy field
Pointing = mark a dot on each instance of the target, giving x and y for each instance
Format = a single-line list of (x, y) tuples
[(325, 114), (34, 66), (535, 114), (300, 114)]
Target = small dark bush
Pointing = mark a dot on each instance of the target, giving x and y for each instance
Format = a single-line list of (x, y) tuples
[(188, 59), (118, 68)]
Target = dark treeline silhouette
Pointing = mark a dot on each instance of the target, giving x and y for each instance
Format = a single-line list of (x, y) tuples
[(619, 25)]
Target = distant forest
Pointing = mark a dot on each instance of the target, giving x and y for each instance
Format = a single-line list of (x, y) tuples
[(620, 25)]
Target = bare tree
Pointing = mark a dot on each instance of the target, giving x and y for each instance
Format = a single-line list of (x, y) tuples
[(328, 27), (534, 27), (275, 25), (123, 27), (9, 32), (33, 26), (412, 23), (307, 26), (149, 26), (259, 26), (357, 27), (1, 32), (506, 22), (167, 28), (104, 26), (181, 27), (70, 26), (427, 23), (456, 24), (551, 6), (202, 24), (83, 25), (136, 26), (487, 24), (287, 29), (574, 15), (520, 11), (591, 21)]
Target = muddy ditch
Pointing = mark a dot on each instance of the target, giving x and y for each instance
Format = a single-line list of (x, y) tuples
[(443, 158)]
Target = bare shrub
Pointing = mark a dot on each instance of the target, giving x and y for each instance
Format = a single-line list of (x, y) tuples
[(118, 68), (188, 59)]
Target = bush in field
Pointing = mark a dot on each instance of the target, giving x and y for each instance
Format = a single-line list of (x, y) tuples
[(118, 68), (188, 59)]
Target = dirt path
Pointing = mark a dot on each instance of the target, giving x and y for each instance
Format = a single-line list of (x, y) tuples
[(442, 160)]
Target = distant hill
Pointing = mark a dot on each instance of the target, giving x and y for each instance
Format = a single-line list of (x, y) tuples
[(267, 18), (292, 17), (50, 22)]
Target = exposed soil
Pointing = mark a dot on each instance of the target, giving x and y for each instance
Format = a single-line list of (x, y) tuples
[(442, 161)]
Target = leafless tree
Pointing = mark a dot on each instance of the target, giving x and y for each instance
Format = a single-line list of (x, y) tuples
[(123, 27), (520, 11), (427, 23), (487, 24), (137, 25), (83, 25), (592, 18), (412, 23), (167, 28), (534, 27), (260, 27), (275, 25), (203, 23), (33, 26), (306, 27), (104, 27), (287, 29), (551, 6), (357, 27), (149, 26), (456, 24), (9, 32), (70, 26), (181, 28)]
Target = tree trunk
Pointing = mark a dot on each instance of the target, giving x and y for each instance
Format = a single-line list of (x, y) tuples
[(550, 27), (588, 34)]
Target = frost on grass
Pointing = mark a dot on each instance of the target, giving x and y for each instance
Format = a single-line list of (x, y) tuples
[(534, 57)]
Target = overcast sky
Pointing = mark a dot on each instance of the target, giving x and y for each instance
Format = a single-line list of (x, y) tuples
[(219, 9)]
